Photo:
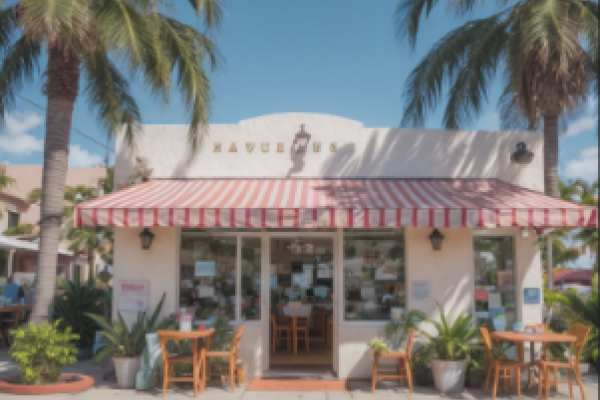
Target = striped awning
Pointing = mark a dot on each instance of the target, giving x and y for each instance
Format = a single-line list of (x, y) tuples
[(321, 203)]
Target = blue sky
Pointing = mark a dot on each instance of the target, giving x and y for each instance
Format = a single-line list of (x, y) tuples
[(334, 57)]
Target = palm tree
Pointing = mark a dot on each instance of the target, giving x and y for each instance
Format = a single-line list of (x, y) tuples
[(5, 182), (89, 43), (584, 311), (547, 51)]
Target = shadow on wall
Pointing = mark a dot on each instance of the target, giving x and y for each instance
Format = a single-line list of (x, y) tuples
[(456, 153)]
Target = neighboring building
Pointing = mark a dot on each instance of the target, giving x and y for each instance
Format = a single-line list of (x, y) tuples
[(302, 211), (579, 277), (17, 210)]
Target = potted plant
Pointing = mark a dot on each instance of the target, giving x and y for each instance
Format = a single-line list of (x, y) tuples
[(125, 345), (71, 307), (40, 352), (477, 369), (221, 340), (451, 347), (420, 365)]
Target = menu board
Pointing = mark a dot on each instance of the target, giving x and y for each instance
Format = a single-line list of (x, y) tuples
[(205, 268)]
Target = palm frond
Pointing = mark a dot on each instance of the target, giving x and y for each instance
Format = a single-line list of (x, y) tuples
[(444, 63), (8, 26), (19, 66), (407, 18), (211, 12), (108, 93)]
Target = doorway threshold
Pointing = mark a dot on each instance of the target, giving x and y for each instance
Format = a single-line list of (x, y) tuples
[(301, 372)]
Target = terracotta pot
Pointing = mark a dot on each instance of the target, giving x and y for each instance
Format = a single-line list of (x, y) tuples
[(126, 368), (79, 384)]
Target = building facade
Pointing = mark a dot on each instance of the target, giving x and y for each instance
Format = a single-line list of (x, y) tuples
[(315, 210)]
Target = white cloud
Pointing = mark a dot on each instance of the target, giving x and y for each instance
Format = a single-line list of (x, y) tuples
[(79, 157), (586, 166), (15, 139), (582, 125)]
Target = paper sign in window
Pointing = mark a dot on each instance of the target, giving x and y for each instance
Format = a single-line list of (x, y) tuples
[(206, 291), (205, 268)]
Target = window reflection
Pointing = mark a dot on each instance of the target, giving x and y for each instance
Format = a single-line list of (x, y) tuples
[(207, 277), (495, 295), (250, 279), (374, 274)]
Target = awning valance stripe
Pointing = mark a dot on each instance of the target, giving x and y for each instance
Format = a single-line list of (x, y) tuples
[(311, 203)]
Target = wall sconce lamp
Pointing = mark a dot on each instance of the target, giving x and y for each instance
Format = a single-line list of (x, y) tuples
[(522, 155), (436, 238), (146, 237), (301, 141)]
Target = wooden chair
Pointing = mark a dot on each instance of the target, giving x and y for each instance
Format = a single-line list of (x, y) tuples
[(302, 325), (170, 360), (496, 366), (403, 357), (231, 356), (572, 365), (278, 331)]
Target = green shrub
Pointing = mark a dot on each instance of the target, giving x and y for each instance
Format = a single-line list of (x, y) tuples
[(41, 351), (72, 307), (21, 229)]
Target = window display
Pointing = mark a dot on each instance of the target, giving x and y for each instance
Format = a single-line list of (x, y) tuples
[(495, 294), (374, 274), (207, 276)]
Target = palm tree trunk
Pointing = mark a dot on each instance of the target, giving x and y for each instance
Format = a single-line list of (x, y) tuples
[(61, 88), (550, 180), (91, 259)]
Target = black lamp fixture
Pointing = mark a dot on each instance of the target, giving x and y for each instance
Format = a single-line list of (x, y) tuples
[(522, 155), (301, 140), (436, 238), (146, 237)]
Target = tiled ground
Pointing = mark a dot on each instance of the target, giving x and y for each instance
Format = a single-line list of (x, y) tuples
[(358, 390)]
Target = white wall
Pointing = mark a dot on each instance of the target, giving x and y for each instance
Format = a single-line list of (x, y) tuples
[(159, 265), (362, 152)]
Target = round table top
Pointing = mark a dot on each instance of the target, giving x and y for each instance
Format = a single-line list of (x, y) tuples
[(547, 337), (193, 334)]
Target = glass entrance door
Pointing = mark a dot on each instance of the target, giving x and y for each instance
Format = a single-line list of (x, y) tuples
[(301, 285)]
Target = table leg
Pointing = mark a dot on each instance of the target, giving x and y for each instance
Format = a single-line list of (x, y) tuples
[(16, 314), (195, 367)]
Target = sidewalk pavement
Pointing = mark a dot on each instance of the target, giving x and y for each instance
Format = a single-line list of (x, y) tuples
[(358, 390)]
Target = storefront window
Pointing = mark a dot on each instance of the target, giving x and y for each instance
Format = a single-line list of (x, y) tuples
[(251, 279), (495, 295), (374, 274), (207, 276)]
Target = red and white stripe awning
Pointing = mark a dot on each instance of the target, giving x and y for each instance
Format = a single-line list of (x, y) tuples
[(321, 203)]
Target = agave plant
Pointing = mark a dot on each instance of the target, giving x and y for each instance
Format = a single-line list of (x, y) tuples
[(453, 342), (74, 306), (123, 342), (585, 312)]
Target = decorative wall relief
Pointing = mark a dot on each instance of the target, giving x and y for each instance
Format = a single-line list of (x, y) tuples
[(233, 148), (317, 147), (333, 147), (217, 147), (250, 147), (264, 146), (280, 147)]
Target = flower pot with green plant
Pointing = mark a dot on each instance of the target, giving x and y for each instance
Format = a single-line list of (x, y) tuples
[(500, 322), (451, 347), (477, 369), (125, 345)]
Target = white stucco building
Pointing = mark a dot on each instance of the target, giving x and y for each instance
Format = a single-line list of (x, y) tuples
[(341, 222)]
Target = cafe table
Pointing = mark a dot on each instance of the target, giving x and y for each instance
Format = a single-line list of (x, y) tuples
[(198, 357), (520, 338), (16, 310)]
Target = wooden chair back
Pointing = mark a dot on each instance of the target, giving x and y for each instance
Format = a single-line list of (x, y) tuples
[(487, 340), (409, 343), (274, 322), (304, 321), (581, 332), (236, 341)]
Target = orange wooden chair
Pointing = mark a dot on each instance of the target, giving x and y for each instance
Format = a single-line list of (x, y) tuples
[(495, 366), (278, 331), (169, 360), (231, 356), (572, 365), (403, 357), (302, 325)]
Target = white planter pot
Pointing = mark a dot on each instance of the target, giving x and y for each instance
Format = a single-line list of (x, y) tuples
[(126, 368), (449, 376)]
